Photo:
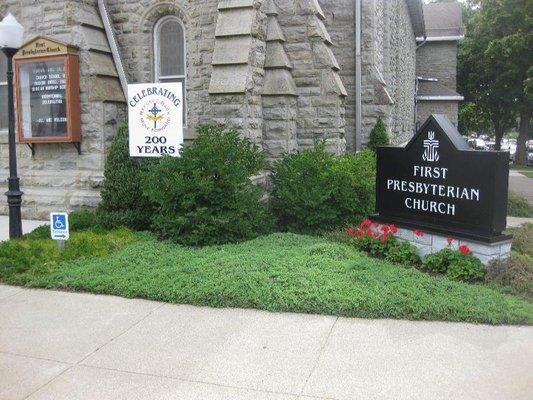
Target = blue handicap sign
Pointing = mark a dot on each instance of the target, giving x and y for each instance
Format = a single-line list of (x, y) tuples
[(59, 226)]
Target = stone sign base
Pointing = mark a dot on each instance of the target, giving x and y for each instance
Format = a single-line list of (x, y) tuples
[(430, 242)]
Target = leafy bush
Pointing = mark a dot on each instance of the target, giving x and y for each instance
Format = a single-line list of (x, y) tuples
[(30, 253), (378, 136), (123, 202), (457, 266), (82, 220), (402, 252), (466, 269), (516, 272), (315, 191), (206, 196), (518, 206)]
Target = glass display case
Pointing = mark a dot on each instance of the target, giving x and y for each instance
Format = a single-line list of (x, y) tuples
[(47, 92)]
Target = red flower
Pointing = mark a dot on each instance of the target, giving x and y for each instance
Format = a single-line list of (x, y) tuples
[(384, 237), (369, 232), (393, 228), (450, 240), (419, 233), (385, 228), (375, 234), (350, 231), (359, 232), (366, 223), (464, 249)]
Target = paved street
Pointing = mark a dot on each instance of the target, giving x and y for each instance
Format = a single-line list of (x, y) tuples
[(57, 345)]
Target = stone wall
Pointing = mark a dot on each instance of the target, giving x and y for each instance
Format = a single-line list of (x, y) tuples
[(57, 178), (438, 60), (319, 88), (388, 69), (388, 65), (426, 108), (133, 22), (340, 23)]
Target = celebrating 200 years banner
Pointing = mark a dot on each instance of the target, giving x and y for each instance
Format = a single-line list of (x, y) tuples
[(437, 182), (155, 119)]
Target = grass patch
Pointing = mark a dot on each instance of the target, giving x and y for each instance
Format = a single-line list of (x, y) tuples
[(518, 206), (278, 272)]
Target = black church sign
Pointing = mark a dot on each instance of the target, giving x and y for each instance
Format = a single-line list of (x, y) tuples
[(436, 182)]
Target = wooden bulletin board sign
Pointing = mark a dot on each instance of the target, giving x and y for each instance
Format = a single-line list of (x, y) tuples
[(47, 92)]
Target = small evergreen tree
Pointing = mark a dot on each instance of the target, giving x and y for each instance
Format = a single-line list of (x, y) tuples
[(378, 136), (123, 202)]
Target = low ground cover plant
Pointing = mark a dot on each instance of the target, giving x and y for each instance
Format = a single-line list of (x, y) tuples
[(518, 206), (278, 272), (33, 255), (515, 274), (206, 195), (314, 191)]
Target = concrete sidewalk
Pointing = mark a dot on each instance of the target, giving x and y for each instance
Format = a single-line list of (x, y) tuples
[(57, 345), (27, 226)]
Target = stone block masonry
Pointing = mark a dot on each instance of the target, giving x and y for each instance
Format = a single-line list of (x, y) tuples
[(433, 242), (448, 108), (57, 178)]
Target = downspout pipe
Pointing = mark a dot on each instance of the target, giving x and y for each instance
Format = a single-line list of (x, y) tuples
[(417, 79), (358, 102), (113, 44)]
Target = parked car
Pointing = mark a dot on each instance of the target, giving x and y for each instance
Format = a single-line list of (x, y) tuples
[(529, 158)]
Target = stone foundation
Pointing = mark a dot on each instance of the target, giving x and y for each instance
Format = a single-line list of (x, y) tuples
[(433, 242)]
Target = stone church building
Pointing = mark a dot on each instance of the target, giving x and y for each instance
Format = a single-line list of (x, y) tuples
[(282, 72)]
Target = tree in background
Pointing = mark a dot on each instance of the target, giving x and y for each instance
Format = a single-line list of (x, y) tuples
[(473, 119), (511, 49), (493, 63)]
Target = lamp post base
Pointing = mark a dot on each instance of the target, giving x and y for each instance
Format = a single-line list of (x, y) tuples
[(14, 201)]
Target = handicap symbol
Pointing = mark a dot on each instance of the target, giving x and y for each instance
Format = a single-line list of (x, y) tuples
[(59, 222)]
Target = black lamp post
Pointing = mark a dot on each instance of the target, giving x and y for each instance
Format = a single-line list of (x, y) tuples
[(11, 36)]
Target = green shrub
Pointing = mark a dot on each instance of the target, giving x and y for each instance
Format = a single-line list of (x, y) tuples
[(315, 191), (206, 195), (516, 273), (455, 265), (82, 220), (441, 260), (378, 136), (402, 252), (123, 202), (518, 206), (466, 269)]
